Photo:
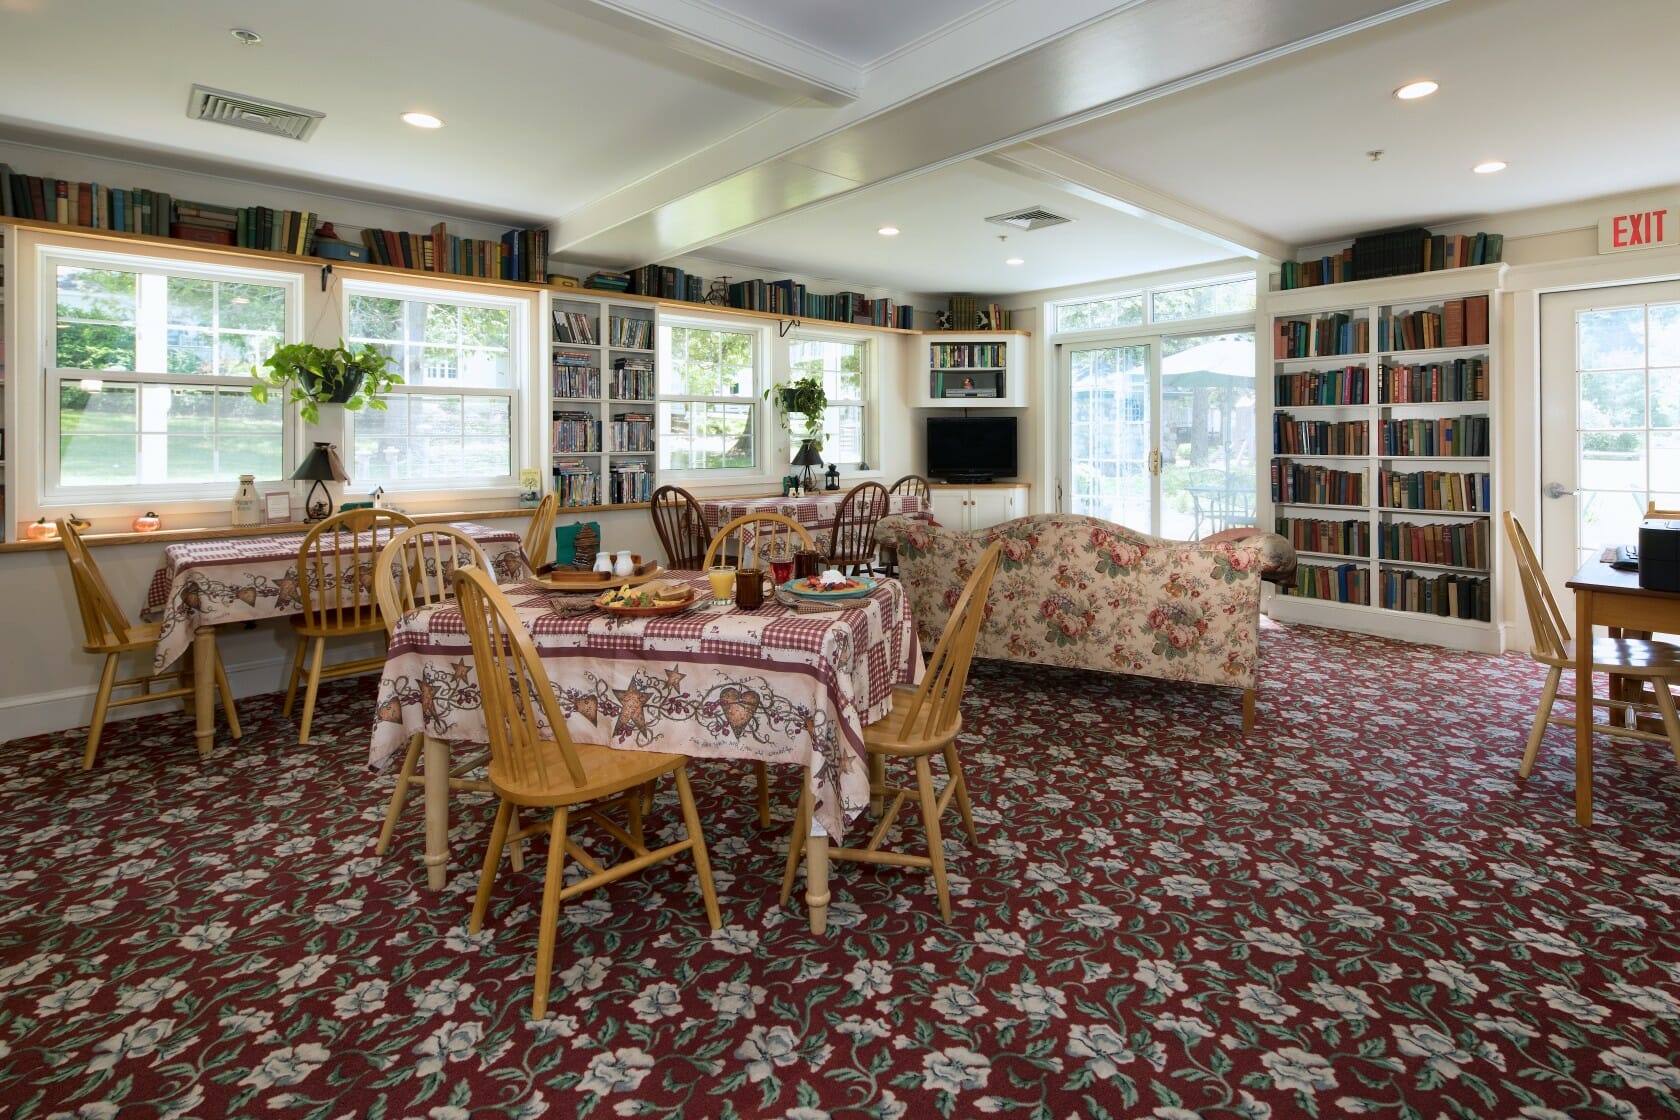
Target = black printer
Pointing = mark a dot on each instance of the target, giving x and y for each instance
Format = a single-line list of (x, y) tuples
[(1659, 554)]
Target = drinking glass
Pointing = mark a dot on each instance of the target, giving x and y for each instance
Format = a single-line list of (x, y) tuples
[(722, 579), (749, 589), (781, 571)]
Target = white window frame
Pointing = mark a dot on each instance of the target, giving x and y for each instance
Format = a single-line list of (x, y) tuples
[(869, 402), (763, 415), (55, 495), (519, 362)]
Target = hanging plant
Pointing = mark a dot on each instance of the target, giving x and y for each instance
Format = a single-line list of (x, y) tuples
[(804, 397), (311, 376)]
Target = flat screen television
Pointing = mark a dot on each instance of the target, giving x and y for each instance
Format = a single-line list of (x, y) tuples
[(970, 448)]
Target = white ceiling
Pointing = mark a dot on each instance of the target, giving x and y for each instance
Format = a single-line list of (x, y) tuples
[(782, 134)]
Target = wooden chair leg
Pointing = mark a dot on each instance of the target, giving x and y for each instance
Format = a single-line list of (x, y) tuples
[(796, 842), (101, 705), (954, 773), (702, 861), (1671, 719), (763, 773), (293, 677), (1250, 695), (226, 692), (936, 841), (317, 650), (492, 857), (1548, 697), (399, 796), (550, 911)]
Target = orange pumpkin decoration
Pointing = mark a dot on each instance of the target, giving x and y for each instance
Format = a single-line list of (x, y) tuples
[(147, 522), (42, 530)]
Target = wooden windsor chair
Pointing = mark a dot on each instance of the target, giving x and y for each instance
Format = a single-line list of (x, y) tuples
[(916, 486), (681, 525), (335, 568), (107, 631), (924, 722), (851, 547), (539, 535), (1655, 663), (577, 780)]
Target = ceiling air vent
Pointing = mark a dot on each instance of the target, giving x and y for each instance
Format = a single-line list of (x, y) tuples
[(1033, 217), (236, 109)]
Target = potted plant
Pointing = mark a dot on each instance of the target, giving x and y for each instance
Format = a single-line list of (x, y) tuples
[(805, 397), (313, 375)]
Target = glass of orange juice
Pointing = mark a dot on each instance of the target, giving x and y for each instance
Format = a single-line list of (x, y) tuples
[(722, 578)]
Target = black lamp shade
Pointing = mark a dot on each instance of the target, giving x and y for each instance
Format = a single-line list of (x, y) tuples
[(807, 457), (321, 466)]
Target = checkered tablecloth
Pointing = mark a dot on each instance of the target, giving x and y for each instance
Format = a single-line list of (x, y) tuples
[(241, 579), (770, 685), (817, 512)]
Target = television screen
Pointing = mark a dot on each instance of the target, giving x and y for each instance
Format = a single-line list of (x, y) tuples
[(970, 448)]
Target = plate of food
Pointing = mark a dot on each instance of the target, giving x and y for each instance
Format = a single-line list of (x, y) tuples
[(648, 599), (829, 585)]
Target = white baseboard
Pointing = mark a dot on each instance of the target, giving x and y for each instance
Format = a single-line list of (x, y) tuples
[(41, 712)]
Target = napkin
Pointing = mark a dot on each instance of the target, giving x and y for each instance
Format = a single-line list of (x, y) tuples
[(814, 606)]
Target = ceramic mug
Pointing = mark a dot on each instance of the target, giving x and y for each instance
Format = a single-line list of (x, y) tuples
[(749, 588)]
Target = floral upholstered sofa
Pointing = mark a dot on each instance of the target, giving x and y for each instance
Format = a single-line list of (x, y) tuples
[(1085, 593)]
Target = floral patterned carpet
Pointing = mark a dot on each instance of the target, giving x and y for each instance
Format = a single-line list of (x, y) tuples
[(1357, 911)]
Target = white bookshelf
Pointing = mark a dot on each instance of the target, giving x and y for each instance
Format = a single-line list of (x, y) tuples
[(1380, 563), (985, 369), (602, 397)]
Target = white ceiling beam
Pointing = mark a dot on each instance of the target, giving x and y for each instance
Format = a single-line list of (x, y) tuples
[(909, 121), (1042, 162), (724, 39)]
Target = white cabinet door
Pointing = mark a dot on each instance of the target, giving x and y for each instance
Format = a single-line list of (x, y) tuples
[(993, 507), (950, 507)]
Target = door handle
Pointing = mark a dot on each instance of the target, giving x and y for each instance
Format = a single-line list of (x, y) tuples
[(1155, 461), (1558, 490)]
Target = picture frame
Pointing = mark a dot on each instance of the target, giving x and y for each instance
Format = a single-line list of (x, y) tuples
[(277, 507)]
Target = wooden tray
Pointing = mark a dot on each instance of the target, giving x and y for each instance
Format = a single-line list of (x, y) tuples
[(592, 581)]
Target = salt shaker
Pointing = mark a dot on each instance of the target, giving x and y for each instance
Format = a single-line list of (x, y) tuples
[(625, 566), (603, 562)]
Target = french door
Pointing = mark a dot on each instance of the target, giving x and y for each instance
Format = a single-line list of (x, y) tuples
[(1161, 431), (1609, 417)]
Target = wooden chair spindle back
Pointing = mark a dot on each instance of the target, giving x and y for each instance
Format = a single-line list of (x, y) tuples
[(514, 686), (1551, 633), (103, 621), (934, 711), (756, 537), (854, 528), (681, 525), (335, 566), (539, 537), (416, 568), (913, 485)]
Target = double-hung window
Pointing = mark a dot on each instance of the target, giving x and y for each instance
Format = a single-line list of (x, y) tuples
[(708, 398), (453, 420), (843, 367), (148, 377)]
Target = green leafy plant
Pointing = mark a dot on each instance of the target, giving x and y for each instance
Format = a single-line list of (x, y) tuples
[(311, 376), (807, 398)]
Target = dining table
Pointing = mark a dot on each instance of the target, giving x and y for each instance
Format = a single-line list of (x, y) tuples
[(1610, 597), (204, 584), (816, 512), (792, 682)]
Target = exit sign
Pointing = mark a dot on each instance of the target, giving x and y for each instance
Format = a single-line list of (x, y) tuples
[(1642, 229)]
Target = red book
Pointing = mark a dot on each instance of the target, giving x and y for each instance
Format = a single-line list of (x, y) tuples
[(1475, 320), (393, 246), (201, 233)]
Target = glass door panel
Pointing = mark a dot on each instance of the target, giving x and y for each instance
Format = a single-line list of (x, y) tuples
[(1112, 434), (1208, 480)]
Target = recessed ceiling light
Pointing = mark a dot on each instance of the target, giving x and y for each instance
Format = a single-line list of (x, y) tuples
[(888, 231), (422, 120), (1411, 91), (1014, 260), (245, 38), (1488, 167)]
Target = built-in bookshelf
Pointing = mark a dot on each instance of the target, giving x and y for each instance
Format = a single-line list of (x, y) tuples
[(1383, 449), (981, 370), (603, 395), (1398, 253)]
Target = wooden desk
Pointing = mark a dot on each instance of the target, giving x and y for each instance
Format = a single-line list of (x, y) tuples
[(1605, 596)]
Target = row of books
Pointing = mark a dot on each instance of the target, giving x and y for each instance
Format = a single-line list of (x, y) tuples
[(574, 380), (1461, 545), (1464, 379), (632, 431), (1343, 583), (90, 205), (248, 227), (521, 254), (574, 327), (576, 483), (633, 382), (1451, 491), (1322, 337), (968, 355), (631, 334), (1448, 596), (1349, 385), (1319, 437), (1447, 435), (1393, 255), (630, 482), (1316, 486), (1460, 322), (1344, 538), (666, 282), (789, 297), (574, 432)]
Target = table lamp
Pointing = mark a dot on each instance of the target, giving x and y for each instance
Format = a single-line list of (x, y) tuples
[(808, 457), (320, 466)]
